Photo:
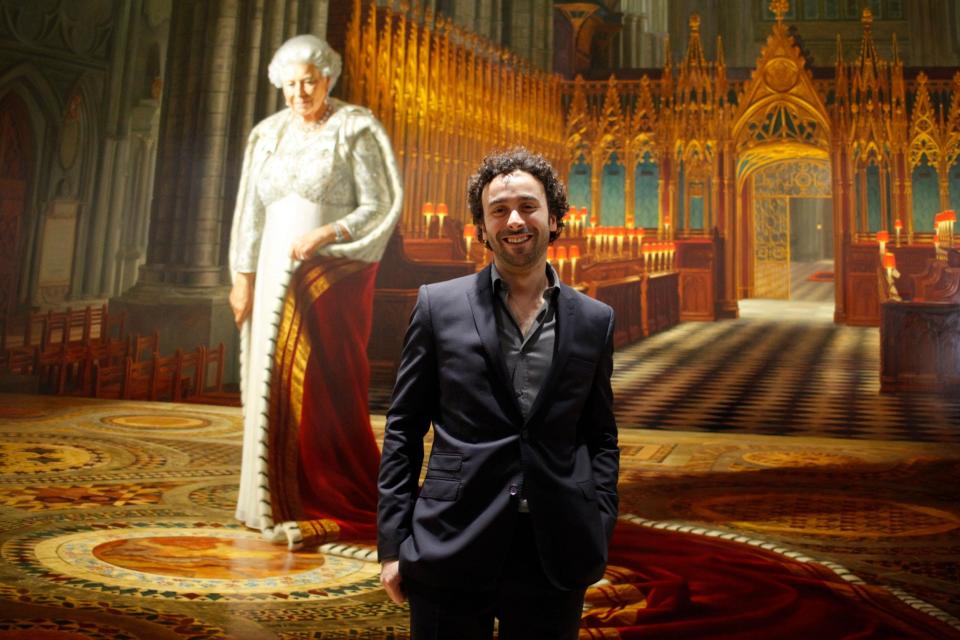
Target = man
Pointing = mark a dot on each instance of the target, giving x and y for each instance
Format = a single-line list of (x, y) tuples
[(513, 368)]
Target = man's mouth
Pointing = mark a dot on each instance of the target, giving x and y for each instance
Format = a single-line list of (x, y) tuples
[(517, 239)]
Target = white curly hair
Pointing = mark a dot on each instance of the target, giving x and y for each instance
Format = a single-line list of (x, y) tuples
[(305, 49)]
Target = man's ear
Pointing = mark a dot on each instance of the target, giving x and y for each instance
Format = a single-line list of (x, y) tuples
[(482, 236)]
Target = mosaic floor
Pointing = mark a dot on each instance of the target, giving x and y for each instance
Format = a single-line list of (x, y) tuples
[(115, 522), (116, 517)]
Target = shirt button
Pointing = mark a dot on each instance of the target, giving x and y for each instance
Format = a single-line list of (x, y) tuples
[(514, 490)]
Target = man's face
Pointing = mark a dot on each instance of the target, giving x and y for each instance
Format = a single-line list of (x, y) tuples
[(516, 221), (304, 90)]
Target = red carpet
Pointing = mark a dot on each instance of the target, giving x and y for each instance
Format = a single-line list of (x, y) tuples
[(821, 276), (668, 584)]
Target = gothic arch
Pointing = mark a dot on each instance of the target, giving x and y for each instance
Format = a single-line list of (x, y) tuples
[(780, 117)]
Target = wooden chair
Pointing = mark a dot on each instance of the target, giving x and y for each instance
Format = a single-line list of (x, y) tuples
[(210, 388), (167, 378), (83, 358), (19, 360), (189, 374), (109, 381), (140, 379), (144, 344), (212, 358), (113, 326)]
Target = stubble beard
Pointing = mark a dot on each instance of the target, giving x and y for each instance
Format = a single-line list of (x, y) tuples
[(537, 251)]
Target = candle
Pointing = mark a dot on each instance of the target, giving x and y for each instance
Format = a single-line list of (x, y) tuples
[(949, 218), (551, 254), (640, 232), (561, 258), (883, 237), (469, 233), (889, 262), (441, 214), (898, 227), (574, 256), (427, 211)]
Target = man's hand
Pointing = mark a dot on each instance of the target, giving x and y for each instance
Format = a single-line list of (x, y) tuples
[(390, 579), (241, 297)]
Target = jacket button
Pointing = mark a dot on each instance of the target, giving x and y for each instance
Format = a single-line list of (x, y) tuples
[(514, 490)]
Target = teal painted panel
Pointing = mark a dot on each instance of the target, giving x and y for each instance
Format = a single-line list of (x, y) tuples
[(647, 195), (873, 198), (613, 184), (696, 212), (926, 198), (578, 184), (955, 186)]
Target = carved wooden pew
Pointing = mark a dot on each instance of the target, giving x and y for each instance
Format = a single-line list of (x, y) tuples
[(398, 280), (920, 337)]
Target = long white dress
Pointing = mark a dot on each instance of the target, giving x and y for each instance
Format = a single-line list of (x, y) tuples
[(295, 179)]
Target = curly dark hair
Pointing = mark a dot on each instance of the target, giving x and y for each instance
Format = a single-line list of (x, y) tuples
[(517, 159)]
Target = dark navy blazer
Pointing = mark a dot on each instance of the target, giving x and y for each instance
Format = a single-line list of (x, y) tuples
[(454, 530)]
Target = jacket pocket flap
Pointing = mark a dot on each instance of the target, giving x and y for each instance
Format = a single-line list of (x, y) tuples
[(438, 489), (445, 462), (588, 489)]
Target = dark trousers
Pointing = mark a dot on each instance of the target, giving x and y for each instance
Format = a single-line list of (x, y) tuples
[(525, 603)]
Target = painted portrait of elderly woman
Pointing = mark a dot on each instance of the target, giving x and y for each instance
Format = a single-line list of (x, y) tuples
[(318, 199)]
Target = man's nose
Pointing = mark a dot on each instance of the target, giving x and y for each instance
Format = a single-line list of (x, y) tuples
[(515, 219)]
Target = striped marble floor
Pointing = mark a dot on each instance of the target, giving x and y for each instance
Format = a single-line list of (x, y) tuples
[(782, 368)]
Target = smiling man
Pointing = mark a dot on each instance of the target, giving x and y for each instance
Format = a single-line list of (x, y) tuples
[(512, 368)]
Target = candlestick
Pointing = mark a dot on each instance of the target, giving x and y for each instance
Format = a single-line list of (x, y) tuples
[(441, 214), (883, 237), (427, 211), (574, 256), (469, 233)]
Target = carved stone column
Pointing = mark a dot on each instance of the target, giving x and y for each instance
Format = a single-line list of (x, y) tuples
[(216, 89)]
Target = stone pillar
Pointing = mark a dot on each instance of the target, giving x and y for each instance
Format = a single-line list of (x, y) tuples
[(216, 89)]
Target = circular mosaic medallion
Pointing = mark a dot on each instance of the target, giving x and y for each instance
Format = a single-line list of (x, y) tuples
[(46, 457), (793, 459), (156, 421), (222, 496), (59, 629), (204, 563), (828, 515), (174, 423)]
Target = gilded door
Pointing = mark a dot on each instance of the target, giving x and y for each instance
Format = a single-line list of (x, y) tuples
[(772, 243)]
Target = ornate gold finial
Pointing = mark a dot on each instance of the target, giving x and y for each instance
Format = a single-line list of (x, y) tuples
[(866, 17), (779, 8), (694, 22)]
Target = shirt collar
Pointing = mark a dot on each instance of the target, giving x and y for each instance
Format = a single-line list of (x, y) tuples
[(500, 285)]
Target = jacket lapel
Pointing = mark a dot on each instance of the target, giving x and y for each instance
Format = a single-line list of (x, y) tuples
[(566, 304), (481, 303)]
